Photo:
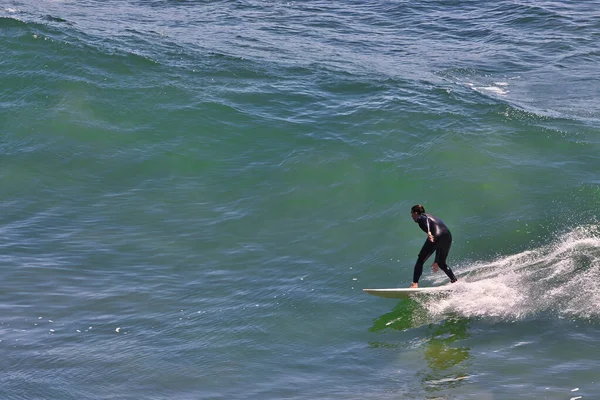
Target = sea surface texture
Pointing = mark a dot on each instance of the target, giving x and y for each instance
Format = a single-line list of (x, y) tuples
[(193, 195)]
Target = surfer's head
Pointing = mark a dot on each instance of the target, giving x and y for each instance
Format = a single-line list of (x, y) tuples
[(416, 210)]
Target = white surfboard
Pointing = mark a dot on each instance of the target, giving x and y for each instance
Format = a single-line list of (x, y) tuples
[(404, 293)]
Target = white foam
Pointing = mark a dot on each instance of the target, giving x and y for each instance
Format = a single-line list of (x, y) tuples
[(560, 279), (494, 89), (498, 88)]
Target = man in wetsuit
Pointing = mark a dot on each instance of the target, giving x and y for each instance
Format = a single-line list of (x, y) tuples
[(439, 240)]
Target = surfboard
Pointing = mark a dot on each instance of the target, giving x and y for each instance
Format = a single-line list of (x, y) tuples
[(404, 293)]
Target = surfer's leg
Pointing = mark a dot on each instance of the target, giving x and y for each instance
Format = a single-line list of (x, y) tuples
[(440, 257), (435, 266), (424, 254)]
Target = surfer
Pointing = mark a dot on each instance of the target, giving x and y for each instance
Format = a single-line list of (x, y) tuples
[(439, 240)]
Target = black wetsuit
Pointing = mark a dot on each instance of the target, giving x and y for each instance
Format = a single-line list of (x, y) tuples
[(442, 240)]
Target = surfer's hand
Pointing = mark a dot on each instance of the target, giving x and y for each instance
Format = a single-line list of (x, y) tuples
[(430, 237), (435, 267)]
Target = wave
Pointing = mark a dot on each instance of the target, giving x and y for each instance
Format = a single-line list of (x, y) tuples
[(560, 279)]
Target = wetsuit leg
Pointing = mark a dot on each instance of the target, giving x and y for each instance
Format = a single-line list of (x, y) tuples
[(426, 251), (441, 254)]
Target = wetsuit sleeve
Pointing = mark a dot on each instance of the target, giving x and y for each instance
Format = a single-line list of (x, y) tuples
[(423, 222)]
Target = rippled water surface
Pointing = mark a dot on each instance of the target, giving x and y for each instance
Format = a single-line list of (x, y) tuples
[(194, 194)]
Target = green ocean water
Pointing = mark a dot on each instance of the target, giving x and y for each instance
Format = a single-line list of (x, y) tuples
[(194, 194)]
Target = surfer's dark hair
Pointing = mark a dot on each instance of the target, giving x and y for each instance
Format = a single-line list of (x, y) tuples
[(419, 209)]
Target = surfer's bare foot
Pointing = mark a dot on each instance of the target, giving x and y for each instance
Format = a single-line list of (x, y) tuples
[(414, 285), (435, 267)]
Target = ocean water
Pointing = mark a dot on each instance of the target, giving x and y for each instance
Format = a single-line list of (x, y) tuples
[(194, 193)]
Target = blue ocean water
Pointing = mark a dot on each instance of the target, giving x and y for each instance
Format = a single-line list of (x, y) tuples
[(194, 194)]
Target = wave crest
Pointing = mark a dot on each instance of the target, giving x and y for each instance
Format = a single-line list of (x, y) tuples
[(560, 279)]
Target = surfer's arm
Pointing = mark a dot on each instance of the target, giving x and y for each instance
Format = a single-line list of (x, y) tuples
[(429, 235), (423, 222)]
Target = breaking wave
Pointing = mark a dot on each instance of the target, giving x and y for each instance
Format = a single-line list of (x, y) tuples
[(561, 279)]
